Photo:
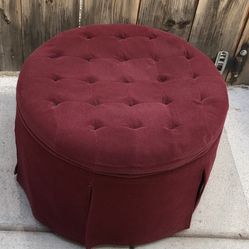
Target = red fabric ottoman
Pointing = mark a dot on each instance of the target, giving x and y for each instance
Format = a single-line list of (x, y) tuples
[(117, 128)]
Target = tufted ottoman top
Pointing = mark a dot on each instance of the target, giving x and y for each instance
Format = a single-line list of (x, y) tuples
[(122, 99)]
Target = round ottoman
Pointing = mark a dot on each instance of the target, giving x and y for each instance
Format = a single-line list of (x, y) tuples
[(117, 128)]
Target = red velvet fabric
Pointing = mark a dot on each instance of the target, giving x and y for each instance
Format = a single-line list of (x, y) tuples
[(117, 128)]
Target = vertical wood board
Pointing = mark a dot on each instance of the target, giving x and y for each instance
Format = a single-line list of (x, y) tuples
[(218, 25), (244, 75), (43, 19), (10, 35), (168, 15), (109, 11)]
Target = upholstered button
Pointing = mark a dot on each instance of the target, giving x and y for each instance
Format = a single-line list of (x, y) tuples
[(55, 55), (136, 124), (131, 102), (202, 97), (162, 78), (195, 75), (88, 57), (91, 79), (166, 100), (94, 102), (88, 35), (188, 56), (96, 124), (127, 79), (56, 77), (122, 36), (200, 100), (172, 126), (55, 101), (123, 58), (152, 36), (155, 58)]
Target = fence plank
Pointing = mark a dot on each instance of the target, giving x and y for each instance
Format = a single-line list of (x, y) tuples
[(218, 25), (109, 11), (43, 19), (169, 15), (10, 39), (244, 75)]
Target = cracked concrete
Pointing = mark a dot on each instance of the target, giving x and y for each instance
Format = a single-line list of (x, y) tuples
[(220, 221)]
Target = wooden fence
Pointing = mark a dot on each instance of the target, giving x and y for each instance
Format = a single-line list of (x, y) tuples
[(210, 25)]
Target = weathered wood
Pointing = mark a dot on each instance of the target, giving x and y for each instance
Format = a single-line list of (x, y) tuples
[(42, 19), (10, 35), (209, 25), (244, 75), (169, 15), (218, 25), (109, 11)]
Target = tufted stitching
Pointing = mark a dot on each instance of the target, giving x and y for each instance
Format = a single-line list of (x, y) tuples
[(195, 75), (88, 57), (55, 55), (155, 58), (202, 97), (131, 101), (188, 55), (166, 100), (152, 36), (172, 126), (96, 124), (123, 58), (118, 77), (162, 78), (136, 124), (91, 79), (94, 102), (56, 77), (127, 79), (88, 35), (55, 101), (122, 36)]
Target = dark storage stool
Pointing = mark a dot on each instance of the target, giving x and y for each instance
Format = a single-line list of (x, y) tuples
[(117, 128)]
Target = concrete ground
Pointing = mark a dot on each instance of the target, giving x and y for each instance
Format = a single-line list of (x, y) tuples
[(221, 220)]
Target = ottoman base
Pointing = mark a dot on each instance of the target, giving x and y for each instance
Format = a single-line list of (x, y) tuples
[(96, 209)]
